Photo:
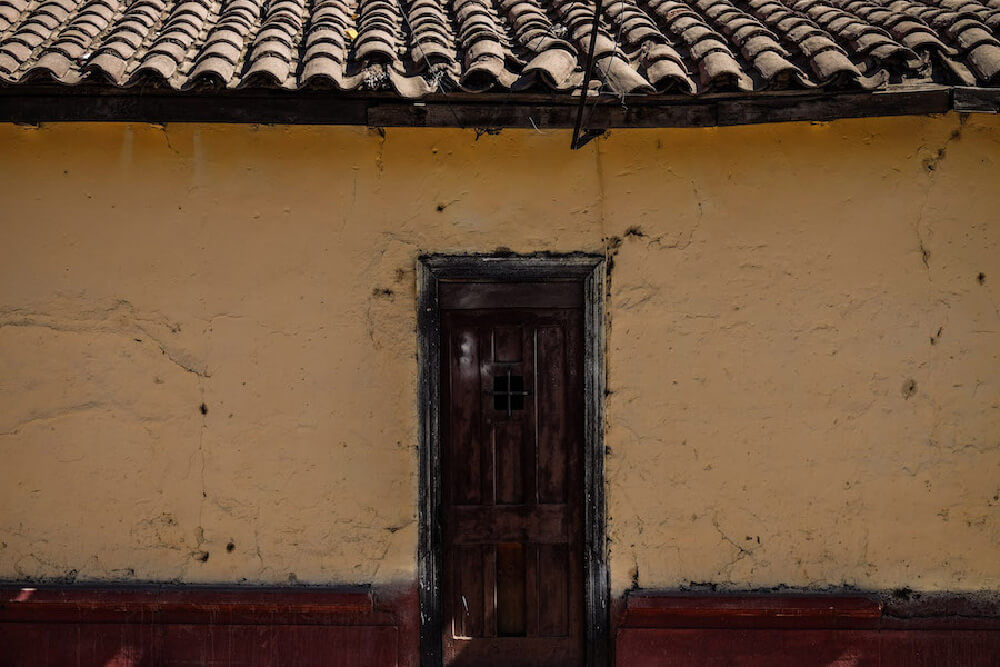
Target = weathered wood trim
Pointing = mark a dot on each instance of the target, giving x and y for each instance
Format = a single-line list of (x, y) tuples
[(510, 267), (976, 100), (833, 106), (32, 103), (645, 112), (803, 608), (157, 107), (598, 582), (751, 611), (186, 604), (589, 270), (429, 458), (550, 294)]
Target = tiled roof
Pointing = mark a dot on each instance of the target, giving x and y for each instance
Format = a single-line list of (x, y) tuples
[(420, 47)]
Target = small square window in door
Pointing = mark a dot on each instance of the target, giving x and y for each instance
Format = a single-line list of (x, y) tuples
[(508, 392)]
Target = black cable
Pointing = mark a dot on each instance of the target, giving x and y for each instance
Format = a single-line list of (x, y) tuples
[(578, 141)]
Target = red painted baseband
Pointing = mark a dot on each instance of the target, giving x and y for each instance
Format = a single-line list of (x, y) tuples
[(194, 604), (153, 626), (662, 630), (751, 611), (120, 645), (356, 627)]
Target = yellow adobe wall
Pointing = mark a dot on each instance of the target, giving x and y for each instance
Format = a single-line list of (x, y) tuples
[(804, 367)]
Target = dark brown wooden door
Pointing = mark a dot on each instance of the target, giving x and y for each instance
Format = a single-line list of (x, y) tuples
[(512, 501)]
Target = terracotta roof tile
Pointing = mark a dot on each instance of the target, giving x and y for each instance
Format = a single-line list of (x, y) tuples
[(414, 48)]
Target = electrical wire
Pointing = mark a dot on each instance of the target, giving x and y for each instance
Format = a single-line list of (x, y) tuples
[(579, 138), (588, 73)]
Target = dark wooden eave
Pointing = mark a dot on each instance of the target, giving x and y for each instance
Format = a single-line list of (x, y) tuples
[(32, 104)]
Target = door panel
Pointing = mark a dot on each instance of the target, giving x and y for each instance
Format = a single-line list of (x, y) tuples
[(511, 588), (508, 443), (552, 441), (553, 569), (512, 507), (466, 452)]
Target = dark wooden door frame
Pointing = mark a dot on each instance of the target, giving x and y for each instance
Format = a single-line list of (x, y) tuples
[(585, 269)]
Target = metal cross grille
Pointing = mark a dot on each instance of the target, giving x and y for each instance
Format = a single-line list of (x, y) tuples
[(508, 392)]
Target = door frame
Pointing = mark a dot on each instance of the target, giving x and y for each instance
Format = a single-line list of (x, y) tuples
[(589, 270)]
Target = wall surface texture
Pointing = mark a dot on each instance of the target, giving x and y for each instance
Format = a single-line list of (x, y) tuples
[(208, 348)]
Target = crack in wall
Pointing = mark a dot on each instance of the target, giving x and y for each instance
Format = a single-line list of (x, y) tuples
[(741, 551), (932, 166), (119, 319), (54, 415), (599, 166)]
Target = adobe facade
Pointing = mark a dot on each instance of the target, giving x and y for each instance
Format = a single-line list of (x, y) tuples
[(208, 350)]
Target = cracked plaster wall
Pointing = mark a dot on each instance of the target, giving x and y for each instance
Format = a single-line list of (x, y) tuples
[(207, 346)]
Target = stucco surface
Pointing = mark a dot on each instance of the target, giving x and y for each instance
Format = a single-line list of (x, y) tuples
[(208, 347)]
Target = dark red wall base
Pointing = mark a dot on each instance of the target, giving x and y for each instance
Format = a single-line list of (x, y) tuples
[(796, 631), (157, 626), (124, 645)]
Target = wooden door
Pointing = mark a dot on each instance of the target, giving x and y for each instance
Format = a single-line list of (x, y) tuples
[(512, 477)]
